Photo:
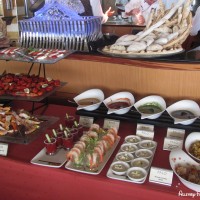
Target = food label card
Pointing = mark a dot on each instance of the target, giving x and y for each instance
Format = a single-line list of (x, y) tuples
[(146, 127), (3, 149), (176, 133), (145, 131), (111, 123), (161, 176), (145, 134), (86, 121), (171, 143)]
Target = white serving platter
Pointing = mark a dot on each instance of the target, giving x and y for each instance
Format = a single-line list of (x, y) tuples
[(69, 165), (55, 161), (111, 175)]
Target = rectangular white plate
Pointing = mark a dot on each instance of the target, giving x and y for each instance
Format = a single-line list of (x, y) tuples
[(69, 165), (111, 175), (55, 161)]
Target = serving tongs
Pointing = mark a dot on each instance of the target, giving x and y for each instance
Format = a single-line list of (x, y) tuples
[(23, 54)]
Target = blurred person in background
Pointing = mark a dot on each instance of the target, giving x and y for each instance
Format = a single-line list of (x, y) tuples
[(140, 10), (195, 23), (82, 7)]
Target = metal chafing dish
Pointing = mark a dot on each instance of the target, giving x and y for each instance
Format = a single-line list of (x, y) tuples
[(56, 26)]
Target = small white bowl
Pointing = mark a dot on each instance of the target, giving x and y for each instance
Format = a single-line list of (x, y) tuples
[(187, 105), (128, 147), (120, 97), (147, 144), (92, 93), (119, 167), (151, 99), (136, 174), (140, 162), (191, 138), (125, 157), (133, 139), (144, 153), (178, 157)]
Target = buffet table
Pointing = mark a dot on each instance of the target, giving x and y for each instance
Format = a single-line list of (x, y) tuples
[(22, 180)]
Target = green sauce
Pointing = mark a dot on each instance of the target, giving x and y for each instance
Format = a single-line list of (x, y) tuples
[(150, 108)]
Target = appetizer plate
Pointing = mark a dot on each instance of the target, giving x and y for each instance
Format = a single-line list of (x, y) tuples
[(125, 178), (191, 138), (54, 161), (184, 105), (179, 157), (69, 165), (36, 55), (152, 99), (96, 94), (118, 98)]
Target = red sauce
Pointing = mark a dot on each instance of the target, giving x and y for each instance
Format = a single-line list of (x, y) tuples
[(118, 105)]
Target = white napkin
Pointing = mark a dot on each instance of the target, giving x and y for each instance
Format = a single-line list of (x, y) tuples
[(195, 23)]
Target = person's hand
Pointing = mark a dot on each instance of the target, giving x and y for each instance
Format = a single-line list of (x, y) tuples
[(133, 12), (109, 12), (136, 11), (140, 19)]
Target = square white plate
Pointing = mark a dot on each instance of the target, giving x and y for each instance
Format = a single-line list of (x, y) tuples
[(55, 161)]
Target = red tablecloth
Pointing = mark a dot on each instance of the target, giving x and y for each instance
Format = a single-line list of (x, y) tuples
[(22, 180)]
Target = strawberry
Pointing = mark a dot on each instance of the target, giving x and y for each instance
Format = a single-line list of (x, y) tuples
[(35, 90), (57, 82)]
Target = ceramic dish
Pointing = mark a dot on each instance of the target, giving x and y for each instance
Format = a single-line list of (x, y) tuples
[(119, 167), (155, 106), (147, 144), (128, 147), (144, 153), (136, 174), (125, 157), (133, 139), (54, 161), (118, 99), (184, 106), (140, 162), (92, 99), (178, 157), (190, 140)]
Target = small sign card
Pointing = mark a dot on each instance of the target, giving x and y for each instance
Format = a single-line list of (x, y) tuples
[(161, 176), (145, 131), (149, 135), (146, 127), (3, 149), (176, 133), (171, 143), (111, 123), (86, 121)]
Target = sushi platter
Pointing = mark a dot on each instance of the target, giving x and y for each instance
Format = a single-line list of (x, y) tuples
[(91, 153)]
